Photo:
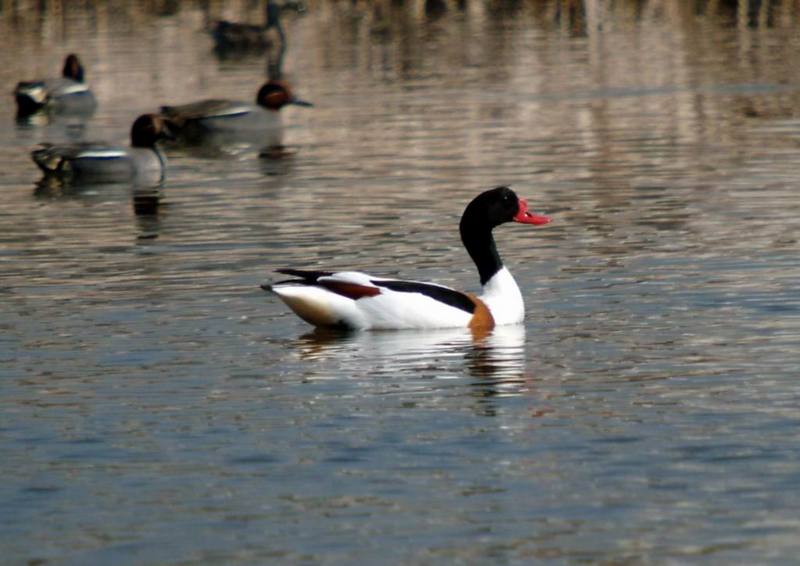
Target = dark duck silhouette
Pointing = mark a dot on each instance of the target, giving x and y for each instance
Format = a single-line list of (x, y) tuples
[(237, 37)]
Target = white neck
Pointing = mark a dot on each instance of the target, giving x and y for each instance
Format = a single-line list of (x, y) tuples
[(503, 298)]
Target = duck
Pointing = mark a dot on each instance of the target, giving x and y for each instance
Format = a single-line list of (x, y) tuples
[(240, 37), (67, 94), (358, 301), (99, 162), (197, 121)]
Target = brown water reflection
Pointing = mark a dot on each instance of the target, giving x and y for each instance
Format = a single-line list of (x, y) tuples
[(159, 408)]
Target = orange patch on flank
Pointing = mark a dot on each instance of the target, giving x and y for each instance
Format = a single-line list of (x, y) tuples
[(350, 290), (482, 318)]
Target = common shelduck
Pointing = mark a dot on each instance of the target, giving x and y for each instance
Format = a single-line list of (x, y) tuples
[(355, 300)]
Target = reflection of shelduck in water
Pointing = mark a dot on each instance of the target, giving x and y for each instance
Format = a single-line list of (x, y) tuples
[(356, 300)]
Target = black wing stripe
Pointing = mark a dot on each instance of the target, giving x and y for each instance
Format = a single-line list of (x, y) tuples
[(444, 295), (309, 277)]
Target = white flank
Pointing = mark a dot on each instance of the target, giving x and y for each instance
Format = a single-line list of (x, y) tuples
[(73, 88), (389, 310), (398, 310), (102, 153), (232, 111)]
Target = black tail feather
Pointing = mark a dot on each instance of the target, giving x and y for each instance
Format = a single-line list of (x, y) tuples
[(308, 276), (303, 277)]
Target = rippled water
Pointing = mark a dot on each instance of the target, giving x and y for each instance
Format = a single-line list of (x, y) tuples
[(158, 407)]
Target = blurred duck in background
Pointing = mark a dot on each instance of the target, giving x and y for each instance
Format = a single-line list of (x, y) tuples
[(99, 162), (223, 126), (68, 94), (220, 120), (231, 38)]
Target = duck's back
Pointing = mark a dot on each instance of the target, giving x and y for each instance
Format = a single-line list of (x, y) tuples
[(234, 35), (225, 120), (205, 110)]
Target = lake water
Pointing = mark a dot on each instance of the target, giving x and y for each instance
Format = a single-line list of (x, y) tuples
[(158, 407)]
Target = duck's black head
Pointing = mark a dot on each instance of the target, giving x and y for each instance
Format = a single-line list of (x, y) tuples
[(72, 68), (147, 129), (486, 211), (498, 206), (276, 94)]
